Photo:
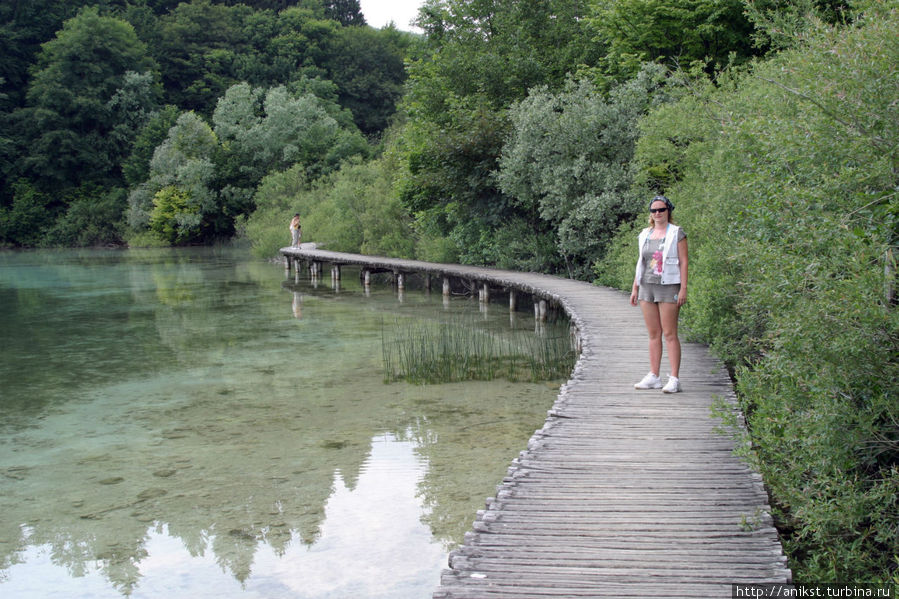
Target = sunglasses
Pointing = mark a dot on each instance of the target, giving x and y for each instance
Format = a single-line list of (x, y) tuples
[(655, 210)]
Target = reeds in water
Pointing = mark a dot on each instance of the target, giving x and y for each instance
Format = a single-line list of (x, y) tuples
[(427, 352)]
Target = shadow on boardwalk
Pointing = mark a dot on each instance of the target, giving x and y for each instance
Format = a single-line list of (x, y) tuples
[(622, 493)]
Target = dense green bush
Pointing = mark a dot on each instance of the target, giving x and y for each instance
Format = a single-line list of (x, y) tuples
[(172, 217), (352, 210), (278, 198), (93, 217), (568, 160), (31, 213), (785, 179)]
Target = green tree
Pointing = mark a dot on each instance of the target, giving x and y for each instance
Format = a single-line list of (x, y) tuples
[(483, 56), (367, 66), (345, 12), (569, 156), (173, 216), (498, 50), (31, 213), (781, 24), (198, 52), (710, 32), (131, 106), (79, 78), (271, 130), (136, 168), (354, 209), (182, 164), (285, 47), (94, 216), (24, 26)]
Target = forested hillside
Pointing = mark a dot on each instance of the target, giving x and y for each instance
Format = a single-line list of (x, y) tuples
[(155, 121), (525, 135)]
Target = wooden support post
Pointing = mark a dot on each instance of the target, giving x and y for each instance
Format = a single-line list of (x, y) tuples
[(484, 295), (513, 300), (575, 335), (400, 281), (446, 287), (540, 309), (428, 282), (287, 261), (366, 278)]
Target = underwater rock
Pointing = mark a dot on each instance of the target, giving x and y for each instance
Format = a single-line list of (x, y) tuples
[(151, 494)]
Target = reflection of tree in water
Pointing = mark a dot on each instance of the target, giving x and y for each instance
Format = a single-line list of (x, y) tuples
[(277, 495), (225, 463), (184, 479), (466, 430)]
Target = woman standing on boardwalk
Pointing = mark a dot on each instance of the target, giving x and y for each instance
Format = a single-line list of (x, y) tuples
[(660, 285), (295, 230)]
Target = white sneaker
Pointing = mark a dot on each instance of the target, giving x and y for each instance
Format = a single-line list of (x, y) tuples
[(672, 386), (650, 381)]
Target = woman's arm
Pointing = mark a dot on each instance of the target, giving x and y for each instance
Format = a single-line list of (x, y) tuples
[(683, 264)]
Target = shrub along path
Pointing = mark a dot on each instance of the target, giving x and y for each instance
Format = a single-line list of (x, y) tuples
[(621, 493)]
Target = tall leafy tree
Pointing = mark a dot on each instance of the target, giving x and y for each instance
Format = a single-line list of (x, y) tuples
[(200, 46), (569, 159), (484, 55), (345, 12), (268, 130), (24, 26), (682, 31), (179, 198), (136, 167), (76, 97), (367, 66), (285, 47)]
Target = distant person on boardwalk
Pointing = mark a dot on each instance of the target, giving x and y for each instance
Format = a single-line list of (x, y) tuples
[(660, 286), (295, 230)]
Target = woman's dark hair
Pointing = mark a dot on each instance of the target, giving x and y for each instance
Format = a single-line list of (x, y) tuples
[(661, 198)]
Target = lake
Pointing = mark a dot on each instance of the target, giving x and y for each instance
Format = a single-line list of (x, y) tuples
[(192, 423)]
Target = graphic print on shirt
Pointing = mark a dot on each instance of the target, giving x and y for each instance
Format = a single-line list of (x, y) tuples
[(656, 263)]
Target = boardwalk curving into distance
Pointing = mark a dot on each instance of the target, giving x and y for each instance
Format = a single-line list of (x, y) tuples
[(621, 493)]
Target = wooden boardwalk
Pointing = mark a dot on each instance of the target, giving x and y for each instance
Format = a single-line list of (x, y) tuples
[(621, 493)]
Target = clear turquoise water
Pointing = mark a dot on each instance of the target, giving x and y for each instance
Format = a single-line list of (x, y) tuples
[(189, 423)]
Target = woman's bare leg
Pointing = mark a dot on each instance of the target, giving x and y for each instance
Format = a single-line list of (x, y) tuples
[(668, 315), (651, 315)]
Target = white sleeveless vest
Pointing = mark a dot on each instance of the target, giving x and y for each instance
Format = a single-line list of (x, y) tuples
[(670, 262)]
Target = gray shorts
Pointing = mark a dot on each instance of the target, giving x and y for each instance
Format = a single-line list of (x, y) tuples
[(658, 293)]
